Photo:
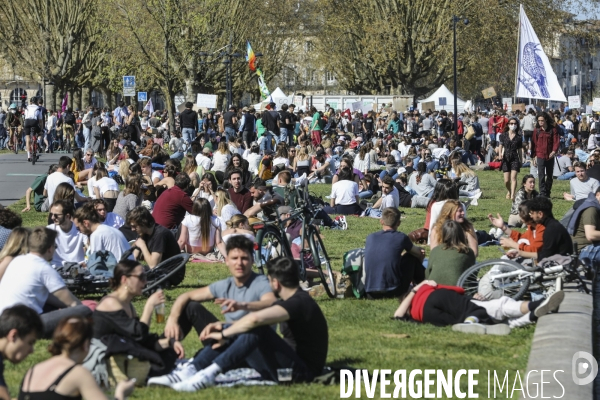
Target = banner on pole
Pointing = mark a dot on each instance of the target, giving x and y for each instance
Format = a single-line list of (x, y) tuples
[(596, 104), (574, 102), (535, 77)]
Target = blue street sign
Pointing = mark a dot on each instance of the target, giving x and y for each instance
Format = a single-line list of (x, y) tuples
[(142, 96), (129, 81)]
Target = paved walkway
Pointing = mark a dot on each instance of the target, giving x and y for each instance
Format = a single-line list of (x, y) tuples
[(557, 338), (16, 174)]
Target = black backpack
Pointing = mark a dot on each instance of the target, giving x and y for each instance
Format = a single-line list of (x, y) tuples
[(69, 118)]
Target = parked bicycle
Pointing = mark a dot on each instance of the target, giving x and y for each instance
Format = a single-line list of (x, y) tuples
[(509, 278), (273, 242)]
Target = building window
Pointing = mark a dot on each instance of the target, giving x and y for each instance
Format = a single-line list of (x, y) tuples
[(310, 76), (15, 96), (309, 46), (330, 76)]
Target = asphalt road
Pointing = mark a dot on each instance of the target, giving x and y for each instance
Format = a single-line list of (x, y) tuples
[(16, 174)]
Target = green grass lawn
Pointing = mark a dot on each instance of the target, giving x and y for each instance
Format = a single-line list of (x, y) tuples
[(357, 327)]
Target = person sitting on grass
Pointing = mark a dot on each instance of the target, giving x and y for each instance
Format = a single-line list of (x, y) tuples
[(389, 198), (244, 291), (155, 242), (252, 340), (522, 245), (453, 210), (344, 195), (9, 220), (69, 246), (451, 257), (526, 192), (115, 317), (107, 217), (556, 238), (20, 328), (201, 233), (442, 305), (40, 287), (62, 376), (392, 262), (37, 188), (16, 245)]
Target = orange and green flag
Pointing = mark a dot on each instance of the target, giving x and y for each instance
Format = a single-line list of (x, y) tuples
[(251, 58)]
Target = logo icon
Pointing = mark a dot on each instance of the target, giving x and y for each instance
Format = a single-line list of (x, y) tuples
[(581, 364)]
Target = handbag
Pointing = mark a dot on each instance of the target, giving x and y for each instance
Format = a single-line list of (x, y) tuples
[(470, 133)]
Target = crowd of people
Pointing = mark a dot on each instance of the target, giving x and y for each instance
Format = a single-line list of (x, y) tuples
[(202, 191)]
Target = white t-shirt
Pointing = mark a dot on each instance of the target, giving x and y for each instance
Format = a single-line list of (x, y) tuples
[(282, 160), (108, 238), (397, 156), (155, 174), (390, 200), (442, 151), (203, 161), (90, 185), (568, 125), (226, 213), (105, 184), (344, 192), (69, 245), (220, 161), (52, 182), (192, 223), (28, 280), (114, 220), (253, 162)]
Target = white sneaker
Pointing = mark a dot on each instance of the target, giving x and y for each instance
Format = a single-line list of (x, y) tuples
[(492, 232), (199, 381), (343, 222), (179, 374), (550, 304)]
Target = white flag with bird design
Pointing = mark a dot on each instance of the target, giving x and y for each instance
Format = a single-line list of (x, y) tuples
[(535, 77)]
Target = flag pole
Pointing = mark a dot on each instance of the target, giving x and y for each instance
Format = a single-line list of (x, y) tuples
[(518, 53)]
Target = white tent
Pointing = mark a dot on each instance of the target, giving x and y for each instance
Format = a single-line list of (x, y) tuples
[(444, 100), (278, 97)]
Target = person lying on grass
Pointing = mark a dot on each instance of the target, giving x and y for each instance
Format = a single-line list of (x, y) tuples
[(443, 305), (252, 340)]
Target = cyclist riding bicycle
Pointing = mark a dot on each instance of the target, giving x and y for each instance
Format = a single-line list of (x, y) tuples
[(34, 123), (12, 122)]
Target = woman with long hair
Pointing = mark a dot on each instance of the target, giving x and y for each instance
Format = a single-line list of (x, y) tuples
[(422, 182), (282, 155), (190, 169), (302, 163), (511, 144), (362, 160), (78, 168), (344, 197), (221, 158), (132, 123), (148, 172), (453, 210), (451, 257), (105, 187), (224, 208), (15, 245), (444, 190), (124, 170), (206, 189), (547, 132), (526, 192), (116, 318), (238, 225), (237, 162), (200, 230), (62, 376), (129, 198), (159, 155)]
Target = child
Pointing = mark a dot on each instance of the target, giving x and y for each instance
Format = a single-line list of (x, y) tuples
[(20, 327)]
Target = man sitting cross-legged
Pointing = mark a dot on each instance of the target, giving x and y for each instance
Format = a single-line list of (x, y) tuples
[(239, 294), (30, 279), (251, 339)]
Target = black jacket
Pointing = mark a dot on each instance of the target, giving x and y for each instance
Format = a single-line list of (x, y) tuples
[(556, 240), (188, 119)]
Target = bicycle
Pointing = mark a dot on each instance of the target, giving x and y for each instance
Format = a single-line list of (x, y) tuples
[(509, 278), (14, 139), (34, 145), (272, 242)]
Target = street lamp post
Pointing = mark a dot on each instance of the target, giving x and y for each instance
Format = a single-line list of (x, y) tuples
[(456, 19)]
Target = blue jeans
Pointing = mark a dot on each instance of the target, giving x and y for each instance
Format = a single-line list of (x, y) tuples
[(86, 137), (262, 349), (188, 135), (411, 190), (392, 173), (492, 136), (365, 194), (178, 155), (229, 133), (283, 135), (266, 143), (592, 252), (567, 176), (433, 166)]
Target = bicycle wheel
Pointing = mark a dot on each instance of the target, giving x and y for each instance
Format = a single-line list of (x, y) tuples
[(16, 142), (168, 273), (480, 279), (321, 262), (270, 246)]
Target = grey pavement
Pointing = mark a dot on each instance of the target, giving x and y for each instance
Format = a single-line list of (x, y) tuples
[(16, 174)]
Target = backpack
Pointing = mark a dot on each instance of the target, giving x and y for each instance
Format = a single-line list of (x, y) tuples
[(353, 266), (101, 262), (69, 119)]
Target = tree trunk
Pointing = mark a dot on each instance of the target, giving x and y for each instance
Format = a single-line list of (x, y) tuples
[(86, 96), (50, 95), (70, 102), (77, 99), (170, 102), (191, 89)]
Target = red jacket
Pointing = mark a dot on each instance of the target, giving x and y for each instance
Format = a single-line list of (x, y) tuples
[(543, 143), (418, 302)]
